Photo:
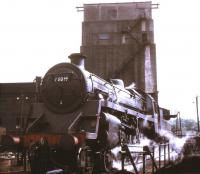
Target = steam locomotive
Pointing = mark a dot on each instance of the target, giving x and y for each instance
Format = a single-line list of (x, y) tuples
[(83, 118)]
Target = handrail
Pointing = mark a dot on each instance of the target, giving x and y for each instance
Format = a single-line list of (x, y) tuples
[(147, 153)]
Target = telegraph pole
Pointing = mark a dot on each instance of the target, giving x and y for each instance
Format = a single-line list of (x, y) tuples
[(197, 107), (179, 125)]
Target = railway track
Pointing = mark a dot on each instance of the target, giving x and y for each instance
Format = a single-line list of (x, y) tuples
[(189, 165)]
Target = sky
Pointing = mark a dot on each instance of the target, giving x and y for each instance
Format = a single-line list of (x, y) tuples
[(37, 34)]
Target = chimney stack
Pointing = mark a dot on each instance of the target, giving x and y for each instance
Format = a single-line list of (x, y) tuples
[(78, 59)]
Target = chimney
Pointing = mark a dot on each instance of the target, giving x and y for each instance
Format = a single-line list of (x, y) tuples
[(78, 59)]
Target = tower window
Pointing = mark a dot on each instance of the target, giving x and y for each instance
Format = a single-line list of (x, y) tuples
[(104, 36)]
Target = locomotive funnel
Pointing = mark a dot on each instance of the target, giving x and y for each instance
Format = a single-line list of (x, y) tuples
[(78, 59)]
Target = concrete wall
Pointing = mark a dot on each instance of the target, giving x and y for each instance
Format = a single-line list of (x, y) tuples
[(118, 39), (117, 11)]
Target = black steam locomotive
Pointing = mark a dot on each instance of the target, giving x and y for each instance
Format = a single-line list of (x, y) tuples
[(83, 118)]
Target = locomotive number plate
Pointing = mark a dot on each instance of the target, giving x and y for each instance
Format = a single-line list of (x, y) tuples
[(61, 79)]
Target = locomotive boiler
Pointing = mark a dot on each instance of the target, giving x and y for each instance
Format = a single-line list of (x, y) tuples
[(84, 117)]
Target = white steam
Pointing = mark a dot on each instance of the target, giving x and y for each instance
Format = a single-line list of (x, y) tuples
[(176, 144), (161, 151)]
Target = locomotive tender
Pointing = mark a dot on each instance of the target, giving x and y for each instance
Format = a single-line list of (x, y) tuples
[(85, 117)]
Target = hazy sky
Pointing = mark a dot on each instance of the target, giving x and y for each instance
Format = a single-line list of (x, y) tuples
[(36, 34)]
